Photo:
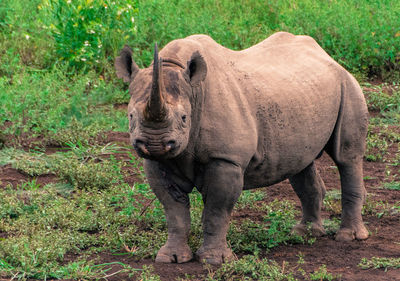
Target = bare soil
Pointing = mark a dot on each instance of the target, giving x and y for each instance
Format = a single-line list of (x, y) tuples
[(340, 258)]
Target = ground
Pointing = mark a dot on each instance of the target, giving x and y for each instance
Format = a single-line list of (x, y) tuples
[(381, 215)]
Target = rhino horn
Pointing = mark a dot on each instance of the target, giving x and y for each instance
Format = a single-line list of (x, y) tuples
[(156, 108)]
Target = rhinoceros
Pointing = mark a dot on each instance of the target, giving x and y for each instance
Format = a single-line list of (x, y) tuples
[(224, 121)]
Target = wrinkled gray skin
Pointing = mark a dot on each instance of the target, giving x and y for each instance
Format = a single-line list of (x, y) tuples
[(223, 121)]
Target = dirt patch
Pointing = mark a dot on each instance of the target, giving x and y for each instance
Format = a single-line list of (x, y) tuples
[(343, 258), (165, 271), (13, 177), (120, 138)]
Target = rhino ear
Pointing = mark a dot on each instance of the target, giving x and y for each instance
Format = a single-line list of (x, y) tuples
[(125, 66), (196, 69)]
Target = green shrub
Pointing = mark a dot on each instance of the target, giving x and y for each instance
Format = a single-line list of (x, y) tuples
[(378, 262), (63, 109), (321, 274), (23, 39), (250, 236), (361, 35), (87, 31), (251, 268)]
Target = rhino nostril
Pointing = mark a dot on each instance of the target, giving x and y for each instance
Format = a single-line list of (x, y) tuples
[(140, 145), (170, 145)]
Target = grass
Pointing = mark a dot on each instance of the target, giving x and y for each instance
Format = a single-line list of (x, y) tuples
[(251, 267), (395, 185), (60, 109), (58, 88), (56, 65), (45, 222), (372, 206), (377, 262)]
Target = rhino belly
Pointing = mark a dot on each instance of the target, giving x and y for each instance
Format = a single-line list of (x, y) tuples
[(290, 137)]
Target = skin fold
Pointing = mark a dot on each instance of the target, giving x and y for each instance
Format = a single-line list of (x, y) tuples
[(222, 121)]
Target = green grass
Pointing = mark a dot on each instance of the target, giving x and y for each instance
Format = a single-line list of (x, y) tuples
[(251, 267), (44, 224), (94, 210), (59, 108), (58, 88), (322, 274), (380, 262), (56, 64), (395, 185)]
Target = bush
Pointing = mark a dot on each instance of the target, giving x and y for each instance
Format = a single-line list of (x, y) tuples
[(87, 31), (361, 35)]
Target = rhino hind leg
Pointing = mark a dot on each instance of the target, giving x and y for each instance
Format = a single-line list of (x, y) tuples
[(346, 147), (310, 188), (353, 197)]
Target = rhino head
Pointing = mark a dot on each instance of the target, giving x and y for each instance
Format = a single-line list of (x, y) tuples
[(160, 110)]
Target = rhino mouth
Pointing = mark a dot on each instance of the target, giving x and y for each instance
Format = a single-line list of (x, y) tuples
[(151, 149)]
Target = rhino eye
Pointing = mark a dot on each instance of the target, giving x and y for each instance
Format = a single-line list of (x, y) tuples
[(130, 116), (184, 118)]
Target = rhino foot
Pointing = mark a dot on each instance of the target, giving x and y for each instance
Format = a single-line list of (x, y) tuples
[(315, 229), (169, 254), (348, 234), (214, 256)]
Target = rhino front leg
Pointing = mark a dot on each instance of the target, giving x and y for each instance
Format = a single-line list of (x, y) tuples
[(176, 249), (223, 183), (310, 188)]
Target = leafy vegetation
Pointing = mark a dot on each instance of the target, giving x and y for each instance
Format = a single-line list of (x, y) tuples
[(376, 262), (379, 208), (56, 73), (85, 31), (250, 236), (395, 185), (250, 268), (322, 274), (58, 89)]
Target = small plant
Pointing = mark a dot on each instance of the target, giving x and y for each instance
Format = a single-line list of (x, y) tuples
[(376, 262), (377, 146), (83, 167), (374, 207), (85, 153), (322, 274), (380, 99), (332, 225), (91, 174), (29, 185), (394, 185), (251, 268), (83, 270), (35, 164), (148, 274), (332, 201), (249, 236), (248, 198)]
